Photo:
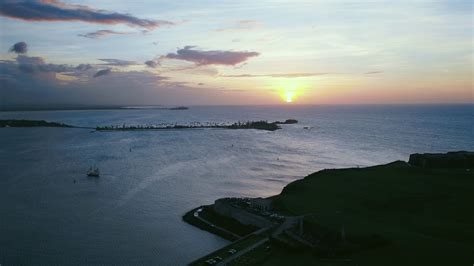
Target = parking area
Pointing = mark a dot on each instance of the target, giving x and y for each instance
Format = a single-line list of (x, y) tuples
[(230, 250)]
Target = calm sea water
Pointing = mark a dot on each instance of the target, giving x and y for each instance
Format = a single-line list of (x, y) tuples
[(132, 213)]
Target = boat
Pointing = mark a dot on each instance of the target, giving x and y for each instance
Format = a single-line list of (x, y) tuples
[(93, 172)]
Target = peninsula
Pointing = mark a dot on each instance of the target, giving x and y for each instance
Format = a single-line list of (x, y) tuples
[(259, 125), (402, 213)]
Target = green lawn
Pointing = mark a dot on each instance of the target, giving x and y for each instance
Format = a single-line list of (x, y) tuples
[(426, 214)]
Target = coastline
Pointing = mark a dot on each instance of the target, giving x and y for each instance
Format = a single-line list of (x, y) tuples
[(256, 151), (339, 230), (193, 220), (258, 125)]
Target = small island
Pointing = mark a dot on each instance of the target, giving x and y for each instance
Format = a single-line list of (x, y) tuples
[(402, 213)]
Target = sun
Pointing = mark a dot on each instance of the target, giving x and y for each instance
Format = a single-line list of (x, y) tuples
[(289, 92), (289, 95)]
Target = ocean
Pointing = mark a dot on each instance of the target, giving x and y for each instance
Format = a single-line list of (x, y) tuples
[(52, 213)]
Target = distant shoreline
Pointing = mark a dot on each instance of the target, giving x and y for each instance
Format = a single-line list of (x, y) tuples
[(21, 108), (91, 108), (259, 125)]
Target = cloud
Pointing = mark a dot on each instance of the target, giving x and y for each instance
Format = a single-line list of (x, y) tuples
[(151, 63), (101, 33), (35, 64), (83, 67), (215, 57), (239, 25), (23, 59), (102, 72), (19, 48), (276, 75), (117, 62), (373, 72), (32, 64), (20, 90), (247, 22), (194, 70), (52, 10)]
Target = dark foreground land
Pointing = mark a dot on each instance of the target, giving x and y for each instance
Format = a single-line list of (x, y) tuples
[(416, 213)]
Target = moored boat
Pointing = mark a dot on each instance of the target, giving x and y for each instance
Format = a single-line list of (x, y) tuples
[(93, 172)]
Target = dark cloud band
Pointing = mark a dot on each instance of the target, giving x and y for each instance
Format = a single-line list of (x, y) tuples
[(33, 64), (37, 10), (102, 72), (100, 34), (216, 57), (151, 63), (117, 62)]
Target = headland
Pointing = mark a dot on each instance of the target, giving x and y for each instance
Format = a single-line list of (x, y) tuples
[(402, 213)]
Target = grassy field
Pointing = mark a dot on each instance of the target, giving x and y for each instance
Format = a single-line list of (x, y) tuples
[(426, 214)]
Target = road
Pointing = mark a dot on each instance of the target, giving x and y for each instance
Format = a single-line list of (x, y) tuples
[(242, 252), (196, 214)]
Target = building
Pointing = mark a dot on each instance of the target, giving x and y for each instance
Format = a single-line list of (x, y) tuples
[(261, 204)]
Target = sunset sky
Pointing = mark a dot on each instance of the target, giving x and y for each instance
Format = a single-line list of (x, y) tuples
[(236, 52)]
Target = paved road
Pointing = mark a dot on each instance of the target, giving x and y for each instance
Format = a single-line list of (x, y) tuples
[(196, 214), (242, 252)]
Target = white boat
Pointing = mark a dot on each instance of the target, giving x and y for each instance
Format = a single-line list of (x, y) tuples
[(93, 172)]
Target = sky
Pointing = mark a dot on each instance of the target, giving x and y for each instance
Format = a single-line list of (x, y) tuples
[(142, 52)]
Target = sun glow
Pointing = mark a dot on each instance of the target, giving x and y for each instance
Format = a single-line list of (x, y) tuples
[(289, 95), (289, 91)]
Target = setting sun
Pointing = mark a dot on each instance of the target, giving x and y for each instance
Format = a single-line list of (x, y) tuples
[(290, 90), (289, 95)]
